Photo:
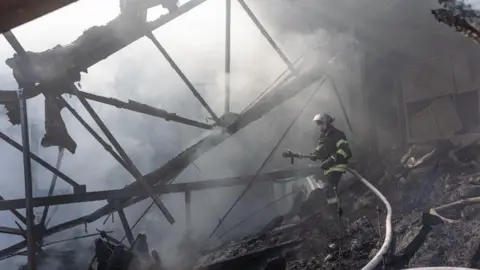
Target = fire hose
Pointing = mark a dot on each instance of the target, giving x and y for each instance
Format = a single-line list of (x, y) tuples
[(388, 233), (388, 225), (440, 268)]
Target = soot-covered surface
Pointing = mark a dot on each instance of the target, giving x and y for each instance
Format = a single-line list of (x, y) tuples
[(420, 239)]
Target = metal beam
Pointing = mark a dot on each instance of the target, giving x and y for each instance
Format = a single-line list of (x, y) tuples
[(16, 213), (27, 170), (342, 106), (188, 212), (88, 51), (126, 227), (115, 195), (133, 169), (12, 249), (172, 168), (62, 102), (52, 185), (182, 76), (145, 109), (77, 187), (25, 66), (267, 36), (9, 230), (228, 27)]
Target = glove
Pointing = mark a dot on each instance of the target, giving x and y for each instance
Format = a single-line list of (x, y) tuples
[(313, 157), (328, 163), (287, 153)]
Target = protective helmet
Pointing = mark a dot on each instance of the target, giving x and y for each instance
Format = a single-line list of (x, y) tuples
[(326, 118)]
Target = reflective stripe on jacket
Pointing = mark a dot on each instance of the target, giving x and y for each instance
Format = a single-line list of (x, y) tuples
[(334, 145)]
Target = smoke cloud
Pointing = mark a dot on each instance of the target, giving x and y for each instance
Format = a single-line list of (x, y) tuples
[(139, 72)]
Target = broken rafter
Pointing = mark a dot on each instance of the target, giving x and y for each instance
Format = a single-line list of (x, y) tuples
[(12, 249), (228, 38), (62, 102), (95, 45), (172, 168), (76, 186), (182, 75), (27, 173), (16, 13), (145, 109), (126, 227), (267, 36), (132, 169), (16, 213), (13, 231), (462, 202), (112, 195), (122, 193)]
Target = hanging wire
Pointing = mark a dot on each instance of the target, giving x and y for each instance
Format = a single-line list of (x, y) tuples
[(147, 209), (257, 212), (75, 238), (252, 181), (271, 86), (206, 191), (44, 220)]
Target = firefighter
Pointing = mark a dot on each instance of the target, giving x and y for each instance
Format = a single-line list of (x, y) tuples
[(333, 151)]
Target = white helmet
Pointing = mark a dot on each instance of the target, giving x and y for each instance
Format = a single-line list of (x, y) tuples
[(324, 118), (317, 117)]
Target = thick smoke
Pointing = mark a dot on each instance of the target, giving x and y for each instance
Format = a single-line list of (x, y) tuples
[(139, 72)]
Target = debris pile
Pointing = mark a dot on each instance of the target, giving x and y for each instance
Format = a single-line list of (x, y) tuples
[(351, 252), (429, 230), (308, 244), (427, 233)]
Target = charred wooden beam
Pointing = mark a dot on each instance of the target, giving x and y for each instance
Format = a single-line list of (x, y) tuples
[(95, 45), (253, 258), (228, 28), (132, 169), (77, 187), (172, 168), (12, 249), (9, 230), (27, 173), (126, 227), (267, 36), (16, 13), (114, 195), (62, 102), (145, 109), (188, 212), (16, 213), (182, 75)]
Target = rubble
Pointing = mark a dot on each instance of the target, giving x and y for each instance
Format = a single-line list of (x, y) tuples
[(421, 238), (309, 247), (459, 15)]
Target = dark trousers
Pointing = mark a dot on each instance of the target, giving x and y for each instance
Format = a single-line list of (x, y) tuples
[(333, 178)]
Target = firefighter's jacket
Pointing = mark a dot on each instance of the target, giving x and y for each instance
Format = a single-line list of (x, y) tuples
[(333, 144)]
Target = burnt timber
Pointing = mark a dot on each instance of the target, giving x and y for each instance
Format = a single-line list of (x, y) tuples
[(14, 13), (112, 195), (87, 51)]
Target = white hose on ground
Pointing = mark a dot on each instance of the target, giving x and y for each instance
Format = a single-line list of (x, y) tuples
[(388, 224), (440, 268)]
